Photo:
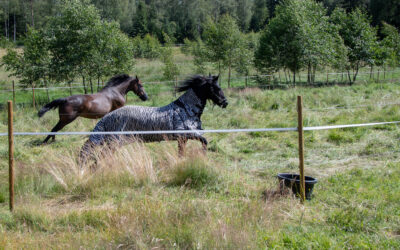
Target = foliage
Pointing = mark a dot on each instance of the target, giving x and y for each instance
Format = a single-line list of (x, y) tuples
[(224, 45), (76, 42), (171, 70), (260, 16), (391, 42), (179, 19), (359, 37), (299, 36), (147, 47), (33, 64)]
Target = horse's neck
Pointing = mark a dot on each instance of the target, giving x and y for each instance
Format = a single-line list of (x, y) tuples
[(193, 104), (121, 89)]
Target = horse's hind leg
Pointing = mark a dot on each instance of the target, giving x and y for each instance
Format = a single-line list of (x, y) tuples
[(60, 125), (204, 143)]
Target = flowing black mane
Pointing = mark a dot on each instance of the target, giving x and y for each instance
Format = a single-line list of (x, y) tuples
[(116, 80), (193, 81)]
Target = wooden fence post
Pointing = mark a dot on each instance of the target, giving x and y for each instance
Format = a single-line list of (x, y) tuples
[(301, 146), (13, 86), (11, 154)]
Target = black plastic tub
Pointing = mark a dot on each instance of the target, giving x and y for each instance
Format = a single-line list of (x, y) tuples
[(293, 181)]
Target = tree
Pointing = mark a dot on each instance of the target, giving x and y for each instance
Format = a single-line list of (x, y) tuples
[(224, 44), (76, 42), (299, 36), (140, 20), (81, 44), (359, 37), (171, 70), (391, 42), (260, 15)]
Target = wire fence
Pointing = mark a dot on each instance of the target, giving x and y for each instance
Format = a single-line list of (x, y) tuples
[(165, 132)]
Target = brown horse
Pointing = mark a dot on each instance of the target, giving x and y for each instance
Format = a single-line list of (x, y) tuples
[(94, 106)]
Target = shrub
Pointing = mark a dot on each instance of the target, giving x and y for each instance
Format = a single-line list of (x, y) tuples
[(146, 47), (193, 173)]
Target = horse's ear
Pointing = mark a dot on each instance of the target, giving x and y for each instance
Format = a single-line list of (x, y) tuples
[(137, 78), (216, 77)]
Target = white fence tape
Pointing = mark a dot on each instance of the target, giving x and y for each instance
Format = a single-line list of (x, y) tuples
[(204, 131), (349, 126)]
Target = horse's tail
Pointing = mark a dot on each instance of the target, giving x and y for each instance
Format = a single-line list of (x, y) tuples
[(52, 105)]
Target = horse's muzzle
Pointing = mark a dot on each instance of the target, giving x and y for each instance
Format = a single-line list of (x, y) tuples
[(144, 97), (224, 104)]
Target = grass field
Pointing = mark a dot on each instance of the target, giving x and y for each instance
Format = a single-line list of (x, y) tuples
[(145, 196)]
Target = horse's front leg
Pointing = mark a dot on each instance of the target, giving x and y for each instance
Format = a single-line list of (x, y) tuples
[(204, 142)]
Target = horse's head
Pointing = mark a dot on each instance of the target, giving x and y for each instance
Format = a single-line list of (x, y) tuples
[(206, 88), (137, 87), (213, 91)]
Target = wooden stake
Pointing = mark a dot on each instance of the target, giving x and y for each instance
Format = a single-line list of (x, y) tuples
[(301, 147), (11, 154)]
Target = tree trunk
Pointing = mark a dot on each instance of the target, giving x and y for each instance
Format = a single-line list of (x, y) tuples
[(84, 86), (15, 29), (327, 77), (33, 96), (378, 74), (47, 90), (32, 16), (348, 74), (8, 25), (98, 84), (294, 77), (91, 85), (70, 87), (279, 75), (384, 72), (313, 74), (5, 27), (370, 72), (286, 78), (355, 73)]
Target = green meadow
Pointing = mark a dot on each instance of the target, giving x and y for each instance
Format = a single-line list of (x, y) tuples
[(145, 196)]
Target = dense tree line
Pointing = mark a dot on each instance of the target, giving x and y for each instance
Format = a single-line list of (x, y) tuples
[(179, 19), (301, 35)]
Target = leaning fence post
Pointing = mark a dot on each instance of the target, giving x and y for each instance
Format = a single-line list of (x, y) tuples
[(11, 154), (301, 146)]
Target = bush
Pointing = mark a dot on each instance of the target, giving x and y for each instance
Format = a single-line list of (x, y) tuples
[(193, 173), (147, 47), (4, 43)]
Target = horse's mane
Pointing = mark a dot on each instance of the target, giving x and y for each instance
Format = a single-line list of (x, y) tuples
[(191, 82), (116, 80)]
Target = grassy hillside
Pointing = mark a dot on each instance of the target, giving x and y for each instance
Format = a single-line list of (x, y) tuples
[(145, 196)]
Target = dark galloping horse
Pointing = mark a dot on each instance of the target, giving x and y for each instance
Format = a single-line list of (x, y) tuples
[(182, 114), (94, 106)]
